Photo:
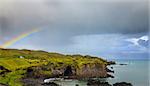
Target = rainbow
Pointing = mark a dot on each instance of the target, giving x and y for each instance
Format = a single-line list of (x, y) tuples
[(17, 38)]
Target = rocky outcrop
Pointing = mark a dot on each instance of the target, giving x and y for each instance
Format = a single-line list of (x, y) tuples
[(85, 71), (122, 64), (97, 83), (91, 70), (100, 83), (122, 84), (36, 75), (111, 63)]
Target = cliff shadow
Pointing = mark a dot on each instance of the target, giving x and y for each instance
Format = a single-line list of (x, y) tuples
[(68, 71)]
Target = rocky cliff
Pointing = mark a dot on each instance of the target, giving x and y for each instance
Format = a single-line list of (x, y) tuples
[(23, 66), (84, 71)]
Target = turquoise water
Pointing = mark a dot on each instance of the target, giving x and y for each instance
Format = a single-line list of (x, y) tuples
[(135, 72)]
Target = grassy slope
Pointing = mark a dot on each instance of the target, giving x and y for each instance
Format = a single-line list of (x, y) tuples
[(9, 59)]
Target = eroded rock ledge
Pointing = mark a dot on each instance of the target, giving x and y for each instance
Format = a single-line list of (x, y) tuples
[(89, 70)]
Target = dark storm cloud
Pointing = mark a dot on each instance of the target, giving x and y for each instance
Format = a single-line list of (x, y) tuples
[(74, 17), (76, 26), (103, 17)]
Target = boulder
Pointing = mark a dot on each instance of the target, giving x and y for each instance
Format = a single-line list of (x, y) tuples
[(97, 83)]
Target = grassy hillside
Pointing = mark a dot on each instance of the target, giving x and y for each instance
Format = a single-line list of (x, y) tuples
[(14, 63)]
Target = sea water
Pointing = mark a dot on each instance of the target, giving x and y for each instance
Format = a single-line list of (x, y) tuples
[(135, 72)]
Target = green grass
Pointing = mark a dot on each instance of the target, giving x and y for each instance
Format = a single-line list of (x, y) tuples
[(12, 78)]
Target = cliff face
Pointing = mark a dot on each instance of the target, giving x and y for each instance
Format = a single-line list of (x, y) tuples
[(84, 71), (92, 70)]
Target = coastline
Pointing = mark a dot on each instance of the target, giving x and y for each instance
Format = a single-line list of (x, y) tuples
[(31, 64), (38, 68)]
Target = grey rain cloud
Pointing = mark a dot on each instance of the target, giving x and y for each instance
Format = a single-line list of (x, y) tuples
[(74, 17), (66, 23)]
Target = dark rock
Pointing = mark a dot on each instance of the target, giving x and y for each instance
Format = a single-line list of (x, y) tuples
[(76, 85), (111, 76), (111, 67), (122, 84), (122, 64), (108, 70), (97, 83), (111, 63), (50, 84)]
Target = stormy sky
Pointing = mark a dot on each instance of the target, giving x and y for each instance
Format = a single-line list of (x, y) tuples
[(108, 28)]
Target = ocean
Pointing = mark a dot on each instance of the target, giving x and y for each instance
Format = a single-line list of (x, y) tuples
[(135, 72)]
